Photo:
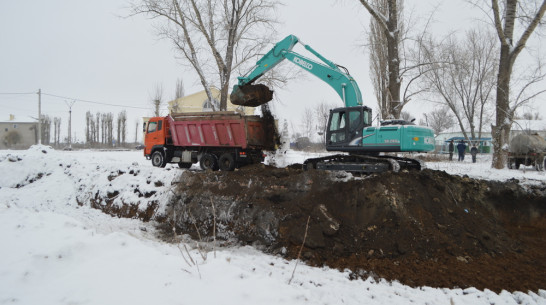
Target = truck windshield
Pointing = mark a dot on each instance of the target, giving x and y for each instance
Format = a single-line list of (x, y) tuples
[(152, 126)]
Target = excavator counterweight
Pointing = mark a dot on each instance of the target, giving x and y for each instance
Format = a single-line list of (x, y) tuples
[(251, 95)]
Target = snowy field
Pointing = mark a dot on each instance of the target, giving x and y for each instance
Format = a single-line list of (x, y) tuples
[(57, 252)]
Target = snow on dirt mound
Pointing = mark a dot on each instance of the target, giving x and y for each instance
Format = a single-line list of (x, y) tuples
[(418, 227), (91, 178)]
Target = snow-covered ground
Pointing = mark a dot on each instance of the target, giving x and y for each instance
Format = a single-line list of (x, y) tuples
[(57, 252)]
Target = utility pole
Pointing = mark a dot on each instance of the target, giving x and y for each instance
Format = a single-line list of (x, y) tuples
[(39, 116), (70, 123)]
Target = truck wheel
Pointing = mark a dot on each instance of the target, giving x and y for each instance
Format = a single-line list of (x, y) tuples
[(517, 164), (184, 165), (510, 164), (227, 162), (209, 162), (158, 159)]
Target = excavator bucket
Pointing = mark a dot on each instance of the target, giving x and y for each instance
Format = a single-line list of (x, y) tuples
[(251, 95)]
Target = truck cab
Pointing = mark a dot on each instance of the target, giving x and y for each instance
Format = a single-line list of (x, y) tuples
[(155, 134)]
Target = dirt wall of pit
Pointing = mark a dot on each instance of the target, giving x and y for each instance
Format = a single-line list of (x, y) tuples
[(420, 228)]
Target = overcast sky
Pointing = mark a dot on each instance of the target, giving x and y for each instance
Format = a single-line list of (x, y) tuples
[(85, 50)]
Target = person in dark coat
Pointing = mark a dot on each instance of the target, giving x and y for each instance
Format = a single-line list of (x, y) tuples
[(451, 149), (474, 152), (461, 148)]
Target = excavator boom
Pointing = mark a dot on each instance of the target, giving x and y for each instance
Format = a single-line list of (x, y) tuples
[(245, 93)]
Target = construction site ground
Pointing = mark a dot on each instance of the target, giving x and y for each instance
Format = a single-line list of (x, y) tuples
[(421, 228)]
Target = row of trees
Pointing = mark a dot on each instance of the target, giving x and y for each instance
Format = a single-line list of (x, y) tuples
[(99, 129), (45, 135)]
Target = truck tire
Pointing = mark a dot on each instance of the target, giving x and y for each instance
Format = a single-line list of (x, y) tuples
[(209, 162), (227, 162), (158, 159), (509, 163), (184, 165)]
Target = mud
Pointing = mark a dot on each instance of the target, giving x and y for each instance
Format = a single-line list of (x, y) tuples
[(251, 95), (419, 228)]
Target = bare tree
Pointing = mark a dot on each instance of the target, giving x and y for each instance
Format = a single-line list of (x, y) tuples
[(439, 119), (464, 77), (179, 90), (121, 127), (88, 121), (137, 124), (157, 98), (503, 15), (321, 115), (178, 93), (386, 28), (97, 127), (384, 58), (307, 123), (396, 62), (46, 129), (214, 37), (57, 130), (530, 116)]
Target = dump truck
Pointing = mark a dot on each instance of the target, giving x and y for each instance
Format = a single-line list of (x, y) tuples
[(215, 140), (527, 150)]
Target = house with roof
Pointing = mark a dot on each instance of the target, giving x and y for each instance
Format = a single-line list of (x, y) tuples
[(16, 133), (199, 102)]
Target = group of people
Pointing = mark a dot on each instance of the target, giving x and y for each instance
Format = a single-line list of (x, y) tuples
[(461, 149)]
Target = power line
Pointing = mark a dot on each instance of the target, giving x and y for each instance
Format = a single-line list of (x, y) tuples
[(75, 99), (93, 102), (16, 93)]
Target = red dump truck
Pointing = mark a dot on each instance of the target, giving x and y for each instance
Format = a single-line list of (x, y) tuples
[(217, 140)]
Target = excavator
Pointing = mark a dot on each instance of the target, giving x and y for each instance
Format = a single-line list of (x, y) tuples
[(349, 130)]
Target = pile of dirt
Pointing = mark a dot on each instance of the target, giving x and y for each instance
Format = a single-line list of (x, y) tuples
[(420, 228)]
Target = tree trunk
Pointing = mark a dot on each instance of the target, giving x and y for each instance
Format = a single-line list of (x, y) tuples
[(501, 130), (392, 33)]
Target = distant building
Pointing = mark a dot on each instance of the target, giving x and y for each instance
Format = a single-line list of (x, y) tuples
[(199, 102), (17, 133), (485, 142)]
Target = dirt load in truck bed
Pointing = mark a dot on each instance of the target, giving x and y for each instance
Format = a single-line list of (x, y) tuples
[(420, 228)]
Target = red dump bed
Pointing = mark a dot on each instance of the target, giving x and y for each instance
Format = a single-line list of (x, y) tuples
[(220, 129)]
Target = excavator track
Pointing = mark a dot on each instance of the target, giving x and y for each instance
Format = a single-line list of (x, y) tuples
[(363, 163)]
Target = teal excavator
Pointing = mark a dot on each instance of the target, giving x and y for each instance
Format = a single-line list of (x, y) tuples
[(349, 128)]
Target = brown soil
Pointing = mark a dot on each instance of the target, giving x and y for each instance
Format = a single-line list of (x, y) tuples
[(420, 228)]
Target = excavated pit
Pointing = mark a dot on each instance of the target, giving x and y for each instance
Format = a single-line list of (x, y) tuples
[(420, 228)]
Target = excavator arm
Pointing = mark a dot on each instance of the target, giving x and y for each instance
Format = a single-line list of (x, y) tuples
[(245, 93)]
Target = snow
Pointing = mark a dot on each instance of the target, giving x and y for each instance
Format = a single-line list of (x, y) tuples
[(55, 251), (482, 170)]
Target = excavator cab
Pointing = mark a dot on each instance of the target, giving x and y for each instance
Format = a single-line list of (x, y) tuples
[(345, 127)]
